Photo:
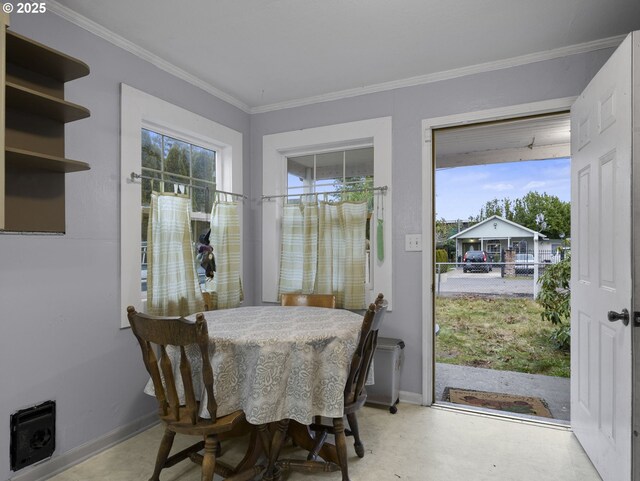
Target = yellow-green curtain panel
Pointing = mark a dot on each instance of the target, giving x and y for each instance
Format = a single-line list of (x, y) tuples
[(323, 251), (172, 280), (342, 252), (225, 239), (299, 248)]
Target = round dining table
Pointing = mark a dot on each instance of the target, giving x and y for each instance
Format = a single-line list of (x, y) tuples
[(276, 362)]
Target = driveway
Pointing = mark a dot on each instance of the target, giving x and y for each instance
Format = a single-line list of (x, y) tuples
[(457, 282)]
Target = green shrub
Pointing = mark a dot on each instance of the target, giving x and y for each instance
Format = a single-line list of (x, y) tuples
[(442, 256), (555, 299)]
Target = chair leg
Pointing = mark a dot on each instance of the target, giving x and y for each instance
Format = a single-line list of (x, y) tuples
[(209, 457), (357, 444), (319, 440), (341, 447), (163, 453)]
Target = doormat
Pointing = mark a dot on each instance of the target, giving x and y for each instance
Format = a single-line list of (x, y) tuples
[(512, 403)]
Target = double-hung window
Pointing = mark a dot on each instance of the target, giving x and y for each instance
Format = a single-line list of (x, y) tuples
[(334, 176), (288, 167), (166, 148), (173, 165)]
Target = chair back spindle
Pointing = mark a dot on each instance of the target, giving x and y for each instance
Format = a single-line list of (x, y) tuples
[(152, 331)]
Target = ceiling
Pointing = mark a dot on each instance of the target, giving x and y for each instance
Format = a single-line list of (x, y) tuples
[(535, 138), (266, 54)]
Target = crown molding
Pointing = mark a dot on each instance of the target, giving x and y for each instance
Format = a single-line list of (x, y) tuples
[(610, 42), (118, 41)]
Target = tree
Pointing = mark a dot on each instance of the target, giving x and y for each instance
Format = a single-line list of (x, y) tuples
[(493, 207), (540, 212), (555, 213), (555, 299), (177, 159), (442, 232), (354, 189)]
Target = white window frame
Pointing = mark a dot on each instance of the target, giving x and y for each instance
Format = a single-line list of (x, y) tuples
[(140, 110), (275, 150)]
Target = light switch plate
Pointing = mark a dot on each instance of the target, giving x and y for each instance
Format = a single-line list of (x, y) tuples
[(413, 242)]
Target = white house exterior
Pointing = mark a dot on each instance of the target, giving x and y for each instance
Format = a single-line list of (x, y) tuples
[(497, 234)]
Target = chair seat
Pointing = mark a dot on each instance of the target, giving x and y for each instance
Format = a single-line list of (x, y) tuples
[(222, 424)]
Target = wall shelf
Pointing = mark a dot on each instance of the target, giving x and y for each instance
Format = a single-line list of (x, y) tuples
[(32, 161), (25, 159), (36, 57), (29, 100)]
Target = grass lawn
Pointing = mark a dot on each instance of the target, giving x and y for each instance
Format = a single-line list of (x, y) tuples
[(497, 333)]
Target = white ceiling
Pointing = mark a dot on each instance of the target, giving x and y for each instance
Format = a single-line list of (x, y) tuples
[(537, 138), (268, 54)]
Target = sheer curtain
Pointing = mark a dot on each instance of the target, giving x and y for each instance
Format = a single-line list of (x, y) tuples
[(225, 239), (172, 280), (299, 248), (323, 251)]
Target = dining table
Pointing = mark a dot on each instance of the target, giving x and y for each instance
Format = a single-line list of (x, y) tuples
[(276, 364)]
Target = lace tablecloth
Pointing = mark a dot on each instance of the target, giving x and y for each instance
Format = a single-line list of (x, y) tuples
[(277, 362)]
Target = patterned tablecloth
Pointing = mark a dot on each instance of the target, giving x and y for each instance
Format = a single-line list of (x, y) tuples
[(277, 362)]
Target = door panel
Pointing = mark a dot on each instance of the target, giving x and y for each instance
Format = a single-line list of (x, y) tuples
[(601, 265)]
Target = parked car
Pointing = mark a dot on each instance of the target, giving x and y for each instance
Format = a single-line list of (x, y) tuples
[(476, 261), (524, 263)]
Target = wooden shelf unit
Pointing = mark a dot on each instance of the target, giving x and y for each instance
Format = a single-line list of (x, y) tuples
[(33, 165)]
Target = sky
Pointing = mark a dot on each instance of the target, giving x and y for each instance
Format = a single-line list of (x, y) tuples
[(462, 191)]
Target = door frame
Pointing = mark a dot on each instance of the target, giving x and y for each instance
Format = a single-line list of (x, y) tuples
[(635, 252), (428, 213)]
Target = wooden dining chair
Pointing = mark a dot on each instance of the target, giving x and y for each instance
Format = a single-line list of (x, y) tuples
[(312, 300), (355, 394), (153, 332)]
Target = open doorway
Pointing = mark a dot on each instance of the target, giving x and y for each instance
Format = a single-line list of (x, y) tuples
[(604, 267), (497, 246)]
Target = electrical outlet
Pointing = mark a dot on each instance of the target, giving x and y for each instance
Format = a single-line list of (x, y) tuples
[(413, 242)]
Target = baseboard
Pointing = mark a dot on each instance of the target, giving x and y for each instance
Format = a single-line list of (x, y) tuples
[(51, 467), (411, 397)]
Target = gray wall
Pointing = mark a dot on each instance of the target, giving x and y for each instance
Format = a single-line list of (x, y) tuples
[(59, 295), (409, 106)]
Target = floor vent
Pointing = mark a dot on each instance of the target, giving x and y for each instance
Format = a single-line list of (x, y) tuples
[(33, 435)]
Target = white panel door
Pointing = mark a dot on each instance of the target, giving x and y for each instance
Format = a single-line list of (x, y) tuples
[(601, 264)]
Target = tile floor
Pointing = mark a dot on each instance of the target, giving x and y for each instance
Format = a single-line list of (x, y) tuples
[(416, 444)]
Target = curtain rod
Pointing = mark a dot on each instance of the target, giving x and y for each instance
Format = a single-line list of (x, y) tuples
[(135, 176), (382, 189)]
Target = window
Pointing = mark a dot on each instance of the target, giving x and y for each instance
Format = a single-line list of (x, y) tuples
[(344, 175), (172, 165), (494, 246), (281, 151), (520, 247), (156, 139)]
